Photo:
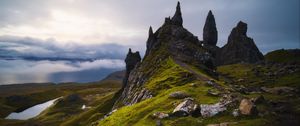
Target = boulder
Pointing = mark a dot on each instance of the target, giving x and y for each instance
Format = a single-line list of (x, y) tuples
[(160, 115), (178, 95), (213, 93), (185, 108), (235, 112), (208, 110), (247, 107)]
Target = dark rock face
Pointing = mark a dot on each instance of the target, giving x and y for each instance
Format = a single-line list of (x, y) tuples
[(151, 41), (177, 18), (210, 33), (131, 60), (239, 48)]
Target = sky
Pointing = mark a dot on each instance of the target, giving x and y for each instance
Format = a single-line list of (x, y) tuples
[(273, 24), (96, 34)]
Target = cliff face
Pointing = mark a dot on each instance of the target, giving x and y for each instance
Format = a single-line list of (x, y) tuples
[(171, 40), (239, 48)]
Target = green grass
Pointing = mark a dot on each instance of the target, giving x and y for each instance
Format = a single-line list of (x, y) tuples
[(170, 77)]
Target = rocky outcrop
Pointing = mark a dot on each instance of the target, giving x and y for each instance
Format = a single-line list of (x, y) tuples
[(178, 95), (177, 18), (131, 60), (210, 33), (239, 48)]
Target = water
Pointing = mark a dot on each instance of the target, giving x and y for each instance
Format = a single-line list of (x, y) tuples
[(32, 111)]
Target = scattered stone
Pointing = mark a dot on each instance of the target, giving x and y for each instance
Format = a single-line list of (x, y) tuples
[(241, 80), (211, 110), (160, 115), (213, 93), (178, 95), (247, 107), (235, 112), (185, 108), (193, 85)]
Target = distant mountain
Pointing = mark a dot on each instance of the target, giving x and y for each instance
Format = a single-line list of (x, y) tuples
[(118, 76)]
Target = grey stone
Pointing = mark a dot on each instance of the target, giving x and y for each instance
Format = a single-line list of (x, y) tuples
[(185, 108), (178, 95)]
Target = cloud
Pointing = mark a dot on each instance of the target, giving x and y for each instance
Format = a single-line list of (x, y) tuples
[(20, 71), (13, 46)]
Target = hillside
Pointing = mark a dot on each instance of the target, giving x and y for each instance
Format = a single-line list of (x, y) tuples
[(184, 81), (290, 56)]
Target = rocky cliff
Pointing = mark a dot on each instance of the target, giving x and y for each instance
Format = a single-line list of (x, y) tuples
[(171, 40), (239, 48)]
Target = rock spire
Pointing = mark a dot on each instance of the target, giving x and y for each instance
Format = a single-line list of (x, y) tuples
[(210, 33), (131, 60), (177, 18)]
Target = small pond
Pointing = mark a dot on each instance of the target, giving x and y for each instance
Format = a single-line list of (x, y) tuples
[(32, 111)]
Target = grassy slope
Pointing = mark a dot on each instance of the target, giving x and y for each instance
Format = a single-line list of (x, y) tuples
[(170, 78), (284, 56)]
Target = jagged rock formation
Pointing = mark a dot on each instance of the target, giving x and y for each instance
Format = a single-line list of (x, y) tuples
[(210, 33), (170, 40), (239, 48), (131, 60), (177, 18), (173, 41)]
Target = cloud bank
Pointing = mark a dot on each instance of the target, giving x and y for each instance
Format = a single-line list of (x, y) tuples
[(13, 47)]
